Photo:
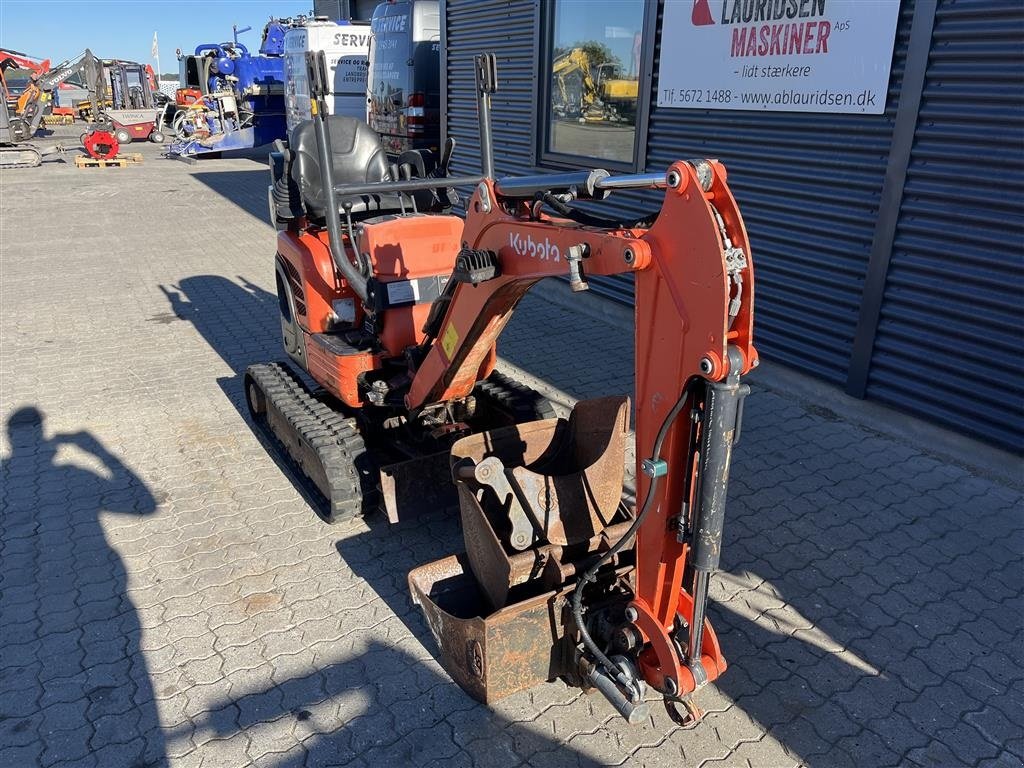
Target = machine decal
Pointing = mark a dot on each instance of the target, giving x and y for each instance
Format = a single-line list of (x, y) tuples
[(527, 246), (450, 340), (403, 291)]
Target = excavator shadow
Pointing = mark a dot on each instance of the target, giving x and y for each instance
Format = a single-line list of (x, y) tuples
[(386, 552), (217, 307)]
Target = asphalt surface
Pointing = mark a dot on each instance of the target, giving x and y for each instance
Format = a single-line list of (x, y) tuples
[(168, 597)]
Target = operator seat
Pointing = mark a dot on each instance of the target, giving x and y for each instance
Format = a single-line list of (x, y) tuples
[(358, 158)]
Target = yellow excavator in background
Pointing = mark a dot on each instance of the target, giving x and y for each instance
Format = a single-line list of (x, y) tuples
[(608, 100)]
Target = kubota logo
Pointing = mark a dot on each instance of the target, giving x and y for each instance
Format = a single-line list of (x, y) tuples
[(527, 246), (701, 14)]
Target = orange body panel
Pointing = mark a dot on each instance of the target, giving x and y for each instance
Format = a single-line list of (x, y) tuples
[(400, 249), (405, 249), (338, 374), (314, 279), (185, 96)]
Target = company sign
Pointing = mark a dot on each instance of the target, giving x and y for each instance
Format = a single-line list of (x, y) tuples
[(777, 55)]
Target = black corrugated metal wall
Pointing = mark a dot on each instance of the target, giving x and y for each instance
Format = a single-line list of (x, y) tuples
[(506, 28), (810, 187), (949, 338)]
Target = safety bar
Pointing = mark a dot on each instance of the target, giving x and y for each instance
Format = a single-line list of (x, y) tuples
[(587, 184), (409, 185)]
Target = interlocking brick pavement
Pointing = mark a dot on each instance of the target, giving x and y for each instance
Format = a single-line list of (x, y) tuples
[(168, 597)]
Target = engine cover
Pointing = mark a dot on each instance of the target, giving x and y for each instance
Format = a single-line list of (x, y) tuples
[(411, 258)]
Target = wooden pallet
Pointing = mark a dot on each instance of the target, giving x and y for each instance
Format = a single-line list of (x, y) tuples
[(120, 161)]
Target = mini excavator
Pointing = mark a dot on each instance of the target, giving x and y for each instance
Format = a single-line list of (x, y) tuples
[(393, 306), (19, 125)]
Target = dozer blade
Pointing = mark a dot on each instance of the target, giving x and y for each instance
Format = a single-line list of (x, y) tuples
[(417, 486), (501, 612)]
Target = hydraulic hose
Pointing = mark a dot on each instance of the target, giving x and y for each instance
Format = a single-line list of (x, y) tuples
[(590, 220), (591, 573)]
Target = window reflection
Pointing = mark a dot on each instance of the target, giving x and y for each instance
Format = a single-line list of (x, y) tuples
[(595, 78)]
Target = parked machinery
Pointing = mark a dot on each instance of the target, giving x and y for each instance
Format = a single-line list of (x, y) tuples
[(229, 99), (18, 69), (394, 308), (577, 95), (132, 113), (16, 129), (15, 133)]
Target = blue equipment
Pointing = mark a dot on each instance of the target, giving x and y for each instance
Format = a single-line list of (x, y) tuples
[(230, 99)]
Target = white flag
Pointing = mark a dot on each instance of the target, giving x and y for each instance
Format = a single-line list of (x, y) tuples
[(155, 51)]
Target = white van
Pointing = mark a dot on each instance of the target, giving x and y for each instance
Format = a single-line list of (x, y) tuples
[(403, 100), (346, 46)]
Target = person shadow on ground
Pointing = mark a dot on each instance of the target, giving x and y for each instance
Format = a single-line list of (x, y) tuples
[(74, 684)]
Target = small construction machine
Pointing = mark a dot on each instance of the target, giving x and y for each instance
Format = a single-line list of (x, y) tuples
[(20, 121), (577, 95), (18, 79), (16, 129), (131, 113), (394, 307)]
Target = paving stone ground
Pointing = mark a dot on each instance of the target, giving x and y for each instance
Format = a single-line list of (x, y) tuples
[(168, 597)]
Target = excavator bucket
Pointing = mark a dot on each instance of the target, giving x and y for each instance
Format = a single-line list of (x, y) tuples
[(539, 503), (491, 654)]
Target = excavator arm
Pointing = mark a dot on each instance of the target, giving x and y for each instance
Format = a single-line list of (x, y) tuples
[(575, 61), (45, 81), (693, 342)]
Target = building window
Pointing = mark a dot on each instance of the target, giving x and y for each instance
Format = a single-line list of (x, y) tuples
[(593, 79)]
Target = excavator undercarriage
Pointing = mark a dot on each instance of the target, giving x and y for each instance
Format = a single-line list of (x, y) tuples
[(393, 307)]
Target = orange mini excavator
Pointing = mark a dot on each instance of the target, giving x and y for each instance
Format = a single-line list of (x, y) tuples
[(394, 308)]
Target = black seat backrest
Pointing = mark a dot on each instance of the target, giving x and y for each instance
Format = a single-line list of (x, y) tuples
[(355, 150)]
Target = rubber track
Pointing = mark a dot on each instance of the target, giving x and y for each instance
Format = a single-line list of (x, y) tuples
[(7, 154), (518, 400), (345, 473)]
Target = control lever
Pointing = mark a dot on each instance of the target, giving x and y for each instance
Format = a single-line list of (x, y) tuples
[(446, 194), (446, 158)]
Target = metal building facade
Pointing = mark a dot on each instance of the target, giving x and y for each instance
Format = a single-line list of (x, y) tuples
[(889, 248)]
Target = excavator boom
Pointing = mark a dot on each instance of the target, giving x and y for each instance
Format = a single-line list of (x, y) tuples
[(694, 295)]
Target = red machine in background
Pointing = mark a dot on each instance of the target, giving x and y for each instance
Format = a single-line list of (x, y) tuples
[(394, 307)]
